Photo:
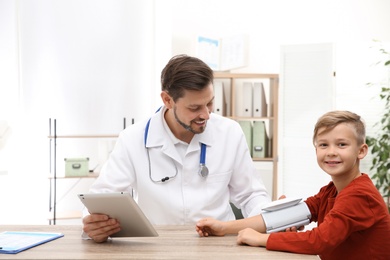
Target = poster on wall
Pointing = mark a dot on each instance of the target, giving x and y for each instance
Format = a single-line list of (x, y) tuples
[(223, 54)]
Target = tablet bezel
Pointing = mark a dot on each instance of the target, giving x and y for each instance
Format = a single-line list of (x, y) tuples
[(121, 206)]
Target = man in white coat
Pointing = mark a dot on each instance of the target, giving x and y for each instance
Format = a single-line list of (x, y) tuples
[(184, 163)]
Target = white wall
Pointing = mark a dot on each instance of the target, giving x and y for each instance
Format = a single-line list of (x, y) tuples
[(8, 80), (91, 63), (349, 25), (87, 64), (270, 24)]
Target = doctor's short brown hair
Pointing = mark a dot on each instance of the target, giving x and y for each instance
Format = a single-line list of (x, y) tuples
[(184, 72)]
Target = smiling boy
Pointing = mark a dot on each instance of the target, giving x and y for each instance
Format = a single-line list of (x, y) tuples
[(353, 220)]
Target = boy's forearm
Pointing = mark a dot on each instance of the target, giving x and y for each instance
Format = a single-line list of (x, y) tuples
[(255, 222)]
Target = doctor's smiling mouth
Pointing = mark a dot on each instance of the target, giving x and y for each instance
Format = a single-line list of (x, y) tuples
[(201, 123)]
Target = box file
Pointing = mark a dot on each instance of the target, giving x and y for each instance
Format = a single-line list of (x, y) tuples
[(219, 99), (76, 166), (260, 140), (247, 96), (259, 100), (247, 129)]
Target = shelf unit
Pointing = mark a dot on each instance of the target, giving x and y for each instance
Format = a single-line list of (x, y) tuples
[(232, 85), (53, 177)]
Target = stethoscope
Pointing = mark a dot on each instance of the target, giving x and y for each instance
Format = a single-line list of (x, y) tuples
[(203, 170)]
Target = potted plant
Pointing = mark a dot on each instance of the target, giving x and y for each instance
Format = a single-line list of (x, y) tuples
[(379, 144)]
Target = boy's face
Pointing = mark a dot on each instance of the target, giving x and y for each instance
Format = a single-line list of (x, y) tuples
[(338, 152)]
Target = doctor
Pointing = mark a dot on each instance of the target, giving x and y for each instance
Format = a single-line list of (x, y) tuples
[(184, 163)]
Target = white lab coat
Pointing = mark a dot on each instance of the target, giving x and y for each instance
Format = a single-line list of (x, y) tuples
[(187, 197)]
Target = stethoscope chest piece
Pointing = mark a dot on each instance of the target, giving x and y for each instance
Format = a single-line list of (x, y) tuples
[(203, 170)]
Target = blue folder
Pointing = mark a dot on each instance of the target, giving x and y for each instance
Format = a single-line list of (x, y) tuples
[(13, 242)]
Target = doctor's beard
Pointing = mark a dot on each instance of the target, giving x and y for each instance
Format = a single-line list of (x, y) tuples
[(188, 127)]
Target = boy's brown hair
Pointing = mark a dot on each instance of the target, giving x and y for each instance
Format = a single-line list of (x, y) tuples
[(332, 119)]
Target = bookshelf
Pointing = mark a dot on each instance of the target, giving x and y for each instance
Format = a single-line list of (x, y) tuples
[(235, 104), (54, 215)]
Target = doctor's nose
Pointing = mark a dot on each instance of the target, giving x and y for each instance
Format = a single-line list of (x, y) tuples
[(205, 113)]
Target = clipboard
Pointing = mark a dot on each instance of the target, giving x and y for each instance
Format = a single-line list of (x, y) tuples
[(13, 242)]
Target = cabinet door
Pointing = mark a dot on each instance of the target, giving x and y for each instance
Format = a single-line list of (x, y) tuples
[(306, 92)]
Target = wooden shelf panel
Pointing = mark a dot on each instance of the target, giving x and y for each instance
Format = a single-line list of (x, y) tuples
[(250, 118), (258, 159), (91, 175), (245, 75), (82, 136)]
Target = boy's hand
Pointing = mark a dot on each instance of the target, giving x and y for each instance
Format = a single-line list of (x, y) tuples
[(210, 227), (251, 237)]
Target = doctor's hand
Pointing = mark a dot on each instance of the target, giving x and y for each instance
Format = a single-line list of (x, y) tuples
[(210, 227), (99, 227), (295, 229)]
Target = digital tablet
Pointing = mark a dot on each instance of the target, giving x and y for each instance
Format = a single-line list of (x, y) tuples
[(281, 203), (121, 206)]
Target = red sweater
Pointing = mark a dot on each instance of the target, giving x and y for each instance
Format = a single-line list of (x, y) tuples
[(354, 224)]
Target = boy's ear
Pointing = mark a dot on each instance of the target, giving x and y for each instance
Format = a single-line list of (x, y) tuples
[(363, 151)]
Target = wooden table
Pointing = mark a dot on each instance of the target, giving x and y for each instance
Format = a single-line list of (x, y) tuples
[(173, 242)]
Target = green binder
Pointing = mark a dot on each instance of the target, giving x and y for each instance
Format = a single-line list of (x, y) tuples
[(260, 140), (247, 129)]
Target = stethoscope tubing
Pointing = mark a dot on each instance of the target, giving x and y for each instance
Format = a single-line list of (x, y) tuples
[(203, 170)]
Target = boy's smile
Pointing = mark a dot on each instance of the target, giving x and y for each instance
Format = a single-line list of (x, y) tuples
[(338, 152)]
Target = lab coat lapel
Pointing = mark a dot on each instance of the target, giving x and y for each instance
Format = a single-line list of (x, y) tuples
[(206, 138), (159, 138)]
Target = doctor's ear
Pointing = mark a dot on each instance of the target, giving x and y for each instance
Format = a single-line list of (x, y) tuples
[(167, 99)]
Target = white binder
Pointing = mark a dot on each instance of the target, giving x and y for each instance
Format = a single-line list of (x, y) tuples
[(247, 96), (259, 100), (219, 99)]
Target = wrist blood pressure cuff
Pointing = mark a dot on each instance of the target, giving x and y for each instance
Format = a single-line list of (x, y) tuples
[(294, 216)]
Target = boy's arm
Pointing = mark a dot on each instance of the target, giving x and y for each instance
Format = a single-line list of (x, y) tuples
[(212, 227), (251, 237), (255, 222)]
